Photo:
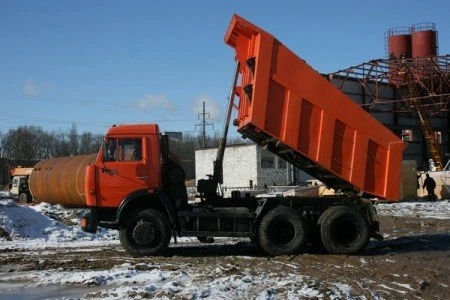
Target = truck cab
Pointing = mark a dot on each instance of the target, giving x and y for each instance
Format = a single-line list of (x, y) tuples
[(127, 165), (19, 188), (19, 185), (132, 174)]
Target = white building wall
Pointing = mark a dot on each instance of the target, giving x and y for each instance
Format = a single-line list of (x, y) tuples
[(241, 167), (278, 175), (204, 160)]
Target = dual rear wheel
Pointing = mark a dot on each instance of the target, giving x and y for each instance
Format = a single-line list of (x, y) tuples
[(343, 230), (340, 229), (282, 231)]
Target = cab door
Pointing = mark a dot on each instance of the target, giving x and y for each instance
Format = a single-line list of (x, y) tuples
[(122, 170)]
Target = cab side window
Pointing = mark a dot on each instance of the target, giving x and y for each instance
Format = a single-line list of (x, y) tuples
[(110, 152), (130, 149), (123, 150)]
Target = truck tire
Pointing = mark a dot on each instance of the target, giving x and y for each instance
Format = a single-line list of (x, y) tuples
[(23, 198), (206, 239), (145, 233), (343, 230), (282, 231)]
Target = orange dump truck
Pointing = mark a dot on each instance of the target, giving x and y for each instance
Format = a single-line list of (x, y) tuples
[(135, 186)]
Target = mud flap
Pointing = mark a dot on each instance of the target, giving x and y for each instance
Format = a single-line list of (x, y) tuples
[(89, 222), (373, 219)]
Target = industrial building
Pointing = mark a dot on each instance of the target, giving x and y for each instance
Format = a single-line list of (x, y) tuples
[(408, 91)]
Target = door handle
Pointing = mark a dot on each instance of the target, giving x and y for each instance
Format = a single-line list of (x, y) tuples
[(109, 171), (142, 177)]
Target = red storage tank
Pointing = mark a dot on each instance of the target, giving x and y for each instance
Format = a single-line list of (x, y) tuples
[(424, 40), (400, 45)]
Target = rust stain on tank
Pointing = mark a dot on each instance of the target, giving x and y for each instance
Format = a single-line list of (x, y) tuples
[(61, 180)]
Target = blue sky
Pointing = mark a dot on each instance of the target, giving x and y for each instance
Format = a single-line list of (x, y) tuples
[(98, 63)]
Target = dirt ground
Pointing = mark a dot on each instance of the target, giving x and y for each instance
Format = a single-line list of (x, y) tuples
[(412, 262)]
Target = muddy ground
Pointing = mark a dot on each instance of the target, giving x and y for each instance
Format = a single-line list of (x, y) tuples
[(412, 262)]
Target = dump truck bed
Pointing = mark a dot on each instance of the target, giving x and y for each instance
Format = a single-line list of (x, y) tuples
[(288, 107)]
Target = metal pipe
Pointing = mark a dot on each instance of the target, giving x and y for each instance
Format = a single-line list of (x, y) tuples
[(218, 163)]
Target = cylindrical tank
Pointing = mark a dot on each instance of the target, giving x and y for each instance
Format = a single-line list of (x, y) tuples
[(399, 42), (424, 40), (399, 46), (61, 180)]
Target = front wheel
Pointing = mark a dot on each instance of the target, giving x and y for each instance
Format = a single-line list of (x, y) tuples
[(344, 230), (23, 198), (145, 233), (282, 231)]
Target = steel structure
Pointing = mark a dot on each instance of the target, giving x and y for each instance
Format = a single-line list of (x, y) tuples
[(421, 87), (431, 76)]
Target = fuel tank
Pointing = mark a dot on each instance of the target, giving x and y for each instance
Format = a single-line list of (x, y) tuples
[(61, 180)]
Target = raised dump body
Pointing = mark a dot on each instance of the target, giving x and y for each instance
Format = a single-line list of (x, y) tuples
[(289, 107)]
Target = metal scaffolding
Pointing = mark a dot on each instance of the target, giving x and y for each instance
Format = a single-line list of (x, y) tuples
[(412, 86), (430, 75)]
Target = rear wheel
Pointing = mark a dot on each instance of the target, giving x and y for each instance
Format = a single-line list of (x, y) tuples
[(146, 232), (282, 231), (344, 230)]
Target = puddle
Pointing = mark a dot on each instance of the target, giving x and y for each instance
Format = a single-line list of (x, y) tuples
[(9, 291)]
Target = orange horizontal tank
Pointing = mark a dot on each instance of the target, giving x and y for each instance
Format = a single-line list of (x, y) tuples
[(290, 108), (61, 180)]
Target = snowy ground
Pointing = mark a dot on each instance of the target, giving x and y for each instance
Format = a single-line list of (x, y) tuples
[(44, 254)]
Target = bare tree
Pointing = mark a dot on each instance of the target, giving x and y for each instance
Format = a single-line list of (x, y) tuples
[(61, 144), (73, 139), (2, 137), (89, 143), (23, 144)]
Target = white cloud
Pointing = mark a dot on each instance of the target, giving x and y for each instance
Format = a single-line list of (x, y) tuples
[(30, 88), (155, 102), (212, 107)]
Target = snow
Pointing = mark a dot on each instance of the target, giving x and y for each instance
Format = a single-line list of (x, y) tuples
[(24, 223), (52, 228), (4, 194), (432, 209)]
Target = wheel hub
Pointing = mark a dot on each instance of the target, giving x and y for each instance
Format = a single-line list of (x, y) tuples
[(284, 232), (144, 233), (345, 232)]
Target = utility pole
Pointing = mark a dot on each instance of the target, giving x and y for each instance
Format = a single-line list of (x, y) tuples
[(203, 124)]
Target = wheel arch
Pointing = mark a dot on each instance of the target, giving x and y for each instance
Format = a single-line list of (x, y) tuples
[(142, 199)]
